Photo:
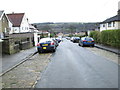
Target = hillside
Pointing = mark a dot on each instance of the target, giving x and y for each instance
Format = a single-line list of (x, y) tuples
[(66, 27)]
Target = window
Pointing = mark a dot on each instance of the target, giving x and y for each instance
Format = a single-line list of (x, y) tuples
[(113, 24), (15, 29), (103, 25), (109, 24), (3, 19)]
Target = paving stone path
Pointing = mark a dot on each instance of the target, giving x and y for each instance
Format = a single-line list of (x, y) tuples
[(26, 74)]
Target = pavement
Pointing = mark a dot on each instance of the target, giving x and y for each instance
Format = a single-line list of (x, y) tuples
[(108, 48), (11, 61), (26, 74)]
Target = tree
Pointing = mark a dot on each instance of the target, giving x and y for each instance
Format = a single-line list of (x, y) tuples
[(72, 29)]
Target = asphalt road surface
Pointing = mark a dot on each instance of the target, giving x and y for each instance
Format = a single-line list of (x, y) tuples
[(73, 66)]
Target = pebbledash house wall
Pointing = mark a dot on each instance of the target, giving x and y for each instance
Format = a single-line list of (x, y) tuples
[(24, 25), (104, 26), (118, 25), (116, 22)]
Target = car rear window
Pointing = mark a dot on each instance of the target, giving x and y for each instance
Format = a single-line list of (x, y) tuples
[(77, 38), (44, 40), (88, 39)]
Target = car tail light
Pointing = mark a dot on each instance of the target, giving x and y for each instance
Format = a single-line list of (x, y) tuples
[(84, 40), (52, 43), (38, 44)]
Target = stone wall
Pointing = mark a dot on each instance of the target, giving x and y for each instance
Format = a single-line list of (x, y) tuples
[(16, 42), (7, 46)]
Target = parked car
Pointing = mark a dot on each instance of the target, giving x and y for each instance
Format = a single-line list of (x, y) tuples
[(86, 41), (46, 44), (58, 39), (72, 38), (76, 39), (68, 38)]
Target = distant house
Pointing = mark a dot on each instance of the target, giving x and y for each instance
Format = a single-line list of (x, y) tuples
[(60, 34), (19, 23), (111, 23), (32, 28), (4, 26)]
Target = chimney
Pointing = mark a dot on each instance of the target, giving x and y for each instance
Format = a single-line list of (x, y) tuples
[(119, 8), (12, 12), (119, 12)]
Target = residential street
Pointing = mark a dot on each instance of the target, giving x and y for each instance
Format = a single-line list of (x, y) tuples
[(59, 45), (73, 66)]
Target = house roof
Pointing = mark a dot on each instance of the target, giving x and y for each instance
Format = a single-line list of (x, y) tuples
[(1, 14), (16, 19), (32, 27), (114, 18)]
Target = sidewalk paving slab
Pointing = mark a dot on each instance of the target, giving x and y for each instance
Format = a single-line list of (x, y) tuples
[(108, 48), (9, 61)]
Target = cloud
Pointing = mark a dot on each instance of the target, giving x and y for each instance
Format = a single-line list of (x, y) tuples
[(62, 10)]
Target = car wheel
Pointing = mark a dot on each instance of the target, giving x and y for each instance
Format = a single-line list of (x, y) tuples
[(39, 51), (79, 44), (93, 45), (53, 50), (82, 45)]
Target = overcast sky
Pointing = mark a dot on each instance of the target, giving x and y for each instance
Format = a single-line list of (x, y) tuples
[(62, 10)]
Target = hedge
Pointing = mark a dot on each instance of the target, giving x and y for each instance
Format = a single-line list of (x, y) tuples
[(95, 35), (107, 37)]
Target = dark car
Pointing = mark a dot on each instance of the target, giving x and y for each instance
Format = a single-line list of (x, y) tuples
[(86, 41), (76, 39), (72, 38), (68, 38), (46, 44), (58, 39)]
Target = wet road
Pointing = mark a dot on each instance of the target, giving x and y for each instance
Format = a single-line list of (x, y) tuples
[(73, 66)]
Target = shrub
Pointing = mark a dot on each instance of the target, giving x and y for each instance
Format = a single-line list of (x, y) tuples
[(96, 35), (111, 37), (107, 37)]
